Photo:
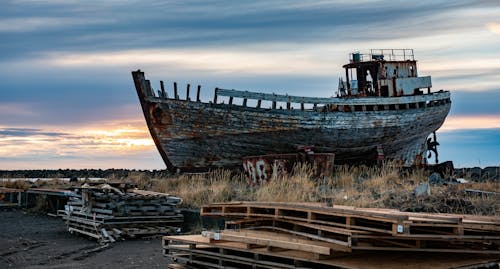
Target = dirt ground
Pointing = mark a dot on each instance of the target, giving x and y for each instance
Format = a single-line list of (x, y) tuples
[(39, 241)]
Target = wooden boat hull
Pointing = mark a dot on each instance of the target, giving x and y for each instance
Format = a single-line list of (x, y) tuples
[(194, 136)]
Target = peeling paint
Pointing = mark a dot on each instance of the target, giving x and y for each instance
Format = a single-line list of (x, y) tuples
[(195, 135)]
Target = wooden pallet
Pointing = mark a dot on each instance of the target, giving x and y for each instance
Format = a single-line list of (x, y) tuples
[(392, 222), (197, 251), (354, 239), (349, 228)]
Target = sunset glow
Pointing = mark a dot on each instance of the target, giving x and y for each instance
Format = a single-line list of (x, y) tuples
[(81, 140), (494, 27), (67, 99), (470, 123)]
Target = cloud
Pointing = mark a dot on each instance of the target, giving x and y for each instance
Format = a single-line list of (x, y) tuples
[(178, 24), (15, 110), (206, 60), (101, 139), (26, 132), (475, 103), (66, 64), (30, 24), (454, 123), (493, 27)]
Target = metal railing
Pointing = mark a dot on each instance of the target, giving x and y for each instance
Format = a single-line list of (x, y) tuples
[(383, 54)]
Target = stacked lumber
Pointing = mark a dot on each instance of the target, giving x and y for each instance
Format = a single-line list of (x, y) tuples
[(107, 213), (277, 235)]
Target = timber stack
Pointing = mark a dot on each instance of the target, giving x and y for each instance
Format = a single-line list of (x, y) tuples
[(278, 235), (107, 213)]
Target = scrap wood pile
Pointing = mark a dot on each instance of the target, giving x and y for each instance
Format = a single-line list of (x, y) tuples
[(108, 213), (278, 235)]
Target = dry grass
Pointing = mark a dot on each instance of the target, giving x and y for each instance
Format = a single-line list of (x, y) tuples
[(297, 187), (389, 186), (198, 189), (15, 184)]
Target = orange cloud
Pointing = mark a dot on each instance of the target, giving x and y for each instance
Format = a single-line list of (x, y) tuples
[(111, 138), (453, 123), (494, 27)]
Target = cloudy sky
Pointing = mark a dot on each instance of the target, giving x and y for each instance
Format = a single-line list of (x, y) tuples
[(67, 99)]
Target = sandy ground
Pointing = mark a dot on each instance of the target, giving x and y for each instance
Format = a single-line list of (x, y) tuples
[(39, 241)]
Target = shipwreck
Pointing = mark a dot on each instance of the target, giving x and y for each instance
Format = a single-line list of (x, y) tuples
[(382, 108)]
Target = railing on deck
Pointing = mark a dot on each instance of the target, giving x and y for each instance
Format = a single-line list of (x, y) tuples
[(412, 101), (383, 54), (317, 103)]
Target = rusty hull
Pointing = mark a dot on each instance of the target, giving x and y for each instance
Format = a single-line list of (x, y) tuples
[(197, 136)]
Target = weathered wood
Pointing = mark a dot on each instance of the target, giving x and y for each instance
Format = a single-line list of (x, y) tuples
[(381, 221), (273, 240), (176, 96), (107, 235), (71, 230), (333, 100), (198, 93), (211, 254), (192, 136), (215, 95), (150, 92), (116, 214), (163, 93)]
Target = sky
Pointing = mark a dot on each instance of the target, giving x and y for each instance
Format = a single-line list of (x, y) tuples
[(67, 98)]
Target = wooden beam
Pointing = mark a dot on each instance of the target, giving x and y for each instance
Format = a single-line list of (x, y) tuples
[(176, 96), (333, 100), (269, 239), (163, 94), (215, 95)]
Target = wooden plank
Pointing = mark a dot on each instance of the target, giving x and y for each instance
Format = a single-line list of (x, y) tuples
[(429, 250), (333, 100), (372, 260), (269, 239), (480, 238), (304, 208), (71, 230), (383, 221), (324, 228), (179, 266), (302, 213)]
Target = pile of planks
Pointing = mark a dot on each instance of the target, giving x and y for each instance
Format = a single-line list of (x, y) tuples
[(277, 235), (108, 213)]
